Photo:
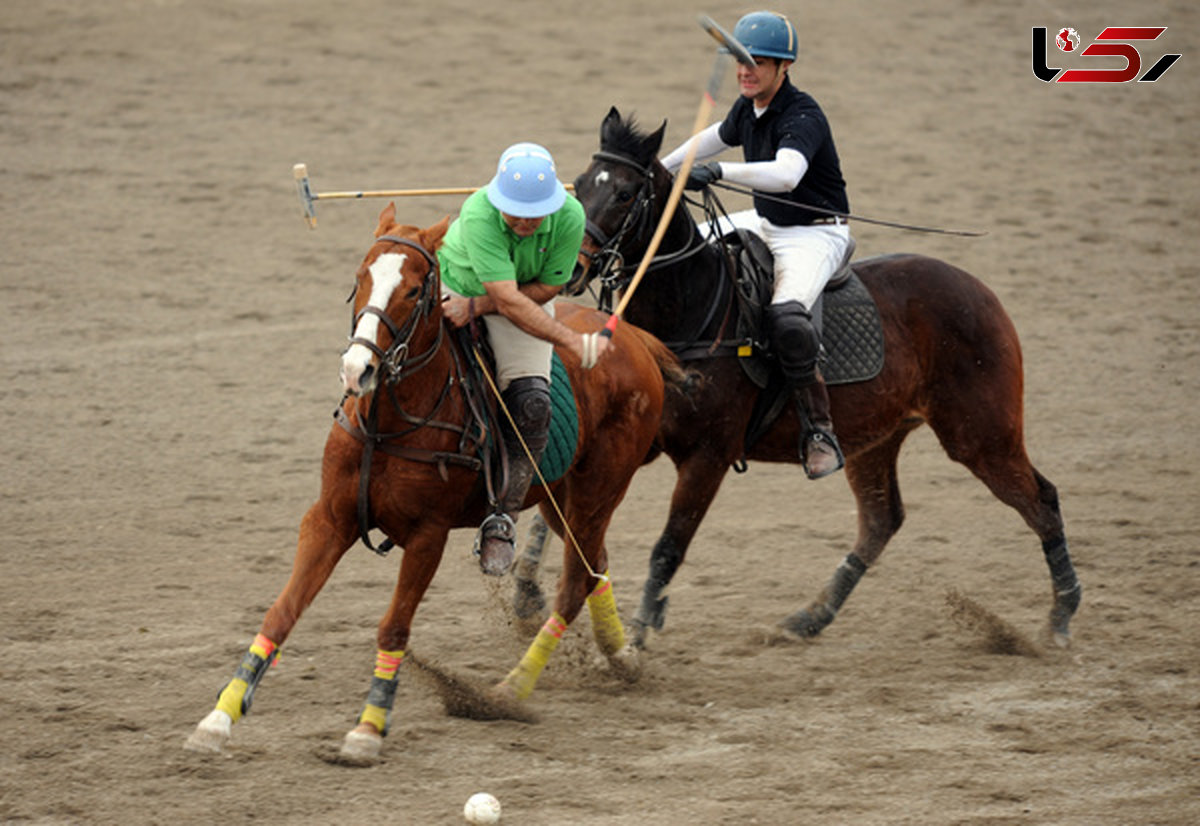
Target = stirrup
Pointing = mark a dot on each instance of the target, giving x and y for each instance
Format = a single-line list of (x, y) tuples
[(495, 544), (496, 526), (817, 437)]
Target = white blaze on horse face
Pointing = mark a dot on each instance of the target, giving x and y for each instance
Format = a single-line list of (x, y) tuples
[(386, 274), (601, 177)]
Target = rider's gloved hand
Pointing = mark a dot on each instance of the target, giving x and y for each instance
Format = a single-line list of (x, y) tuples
[(703, 175)]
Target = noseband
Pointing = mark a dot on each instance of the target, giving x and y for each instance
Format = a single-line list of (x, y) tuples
[(395, 359)]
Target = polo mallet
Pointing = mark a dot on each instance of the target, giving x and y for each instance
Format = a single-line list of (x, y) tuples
[(308, 198), (731, 47)]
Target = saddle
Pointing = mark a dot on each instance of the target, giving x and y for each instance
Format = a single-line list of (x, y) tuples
[(564, 418), (845, 315)]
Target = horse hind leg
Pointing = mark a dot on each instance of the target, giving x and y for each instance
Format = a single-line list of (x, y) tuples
[(609, 634), (528, 598), (581, 568), (1018, 484), (1068, 592), (873, 478), (996, 455)]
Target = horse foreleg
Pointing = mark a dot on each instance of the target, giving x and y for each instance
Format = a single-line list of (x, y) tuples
[(872, 477), (695, 487), (528, 599), (320, 547), (422, 555)]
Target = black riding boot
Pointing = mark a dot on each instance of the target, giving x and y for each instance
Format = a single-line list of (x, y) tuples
[(797, 343), (820, 453), (528, 400)]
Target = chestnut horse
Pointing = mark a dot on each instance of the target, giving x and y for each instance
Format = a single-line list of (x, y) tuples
[(952, 360), (404, 378)]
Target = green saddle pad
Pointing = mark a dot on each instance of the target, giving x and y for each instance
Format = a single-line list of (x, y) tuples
[(564, 424)]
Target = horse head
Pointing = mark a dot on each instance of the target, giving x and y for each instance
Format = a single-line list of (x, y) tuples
[(622, 193), (397, 290)]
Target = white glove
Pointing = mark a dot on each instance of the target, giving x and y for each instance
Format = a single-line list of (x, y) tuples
[(591, 350)]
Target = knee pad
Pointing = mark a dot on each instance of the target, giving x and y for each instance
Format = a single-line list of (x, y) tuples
[(795, 341), (528, 400)]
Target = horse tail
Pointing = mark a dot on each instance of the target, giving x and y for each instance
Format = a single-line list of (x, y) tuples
[(676, 377)]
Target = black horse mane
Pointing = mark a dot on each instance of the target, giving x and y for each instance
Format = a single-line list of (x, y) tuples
[(623, 136)]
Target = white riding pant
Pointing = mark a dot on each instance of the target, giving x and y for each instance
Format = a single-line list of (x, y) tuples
[(806, 257), (517, 353)]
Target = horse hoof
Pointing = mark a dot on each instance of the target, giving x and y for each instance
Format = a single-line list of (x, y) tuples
[(211, 734), (362, 743), (803, 624), (626, 663)]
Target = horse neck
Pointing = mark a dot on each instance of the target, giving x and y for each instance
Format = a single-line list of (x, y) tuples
[(673, 301)]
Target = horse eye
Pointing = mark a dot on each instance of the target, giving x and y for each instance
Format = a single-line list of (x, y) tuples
[(624, 197), (412, 293)]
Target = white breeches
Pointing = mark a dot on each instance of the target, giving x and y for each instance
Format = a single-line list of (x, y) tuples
[(806, 257)]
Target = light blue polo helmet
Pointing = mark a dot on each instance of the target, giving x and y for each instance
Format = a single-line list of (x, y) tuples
[(526, 185), (767, 34)]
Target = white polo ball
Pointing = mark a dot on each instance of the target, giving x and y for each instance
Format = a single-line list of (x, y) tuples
[(482, 808)]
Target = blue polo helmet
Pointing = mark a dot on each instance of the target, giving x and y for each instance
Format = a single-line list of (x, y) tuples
[(767, 34), (526, 185)]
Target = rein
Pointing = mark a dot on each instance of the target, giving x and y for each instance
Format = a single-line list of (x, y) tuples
[(396, 363), (615, 274)]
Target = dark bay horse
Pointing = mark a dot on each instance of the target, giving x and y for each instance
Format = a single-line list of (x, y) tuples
[(404, 376), (953, 362)]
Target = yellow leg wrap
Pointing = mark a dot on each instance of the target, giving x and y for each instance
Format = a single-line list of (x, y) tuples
[(383, 690), (233, 699), (387, 662), (376, 716), (230, 699), (523, 678), (606, 624)]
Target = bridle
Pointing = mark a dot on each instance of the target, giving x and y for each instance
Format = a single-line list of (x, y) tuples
[(395, 361), (608, 262), (615, 275)]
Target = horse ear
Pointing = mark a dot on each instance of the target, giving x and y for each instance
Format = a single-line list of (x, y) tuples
[(612, 119), (654, 140), (386, 219), (432, 237)]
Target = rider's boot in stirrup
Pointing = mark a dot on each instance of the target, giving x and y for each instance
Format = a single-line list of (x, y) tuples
[(528, 400), (820, 453)]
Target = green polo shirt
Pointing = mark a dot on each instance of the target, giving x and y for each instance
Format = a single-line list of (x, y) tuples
[(480, 247)]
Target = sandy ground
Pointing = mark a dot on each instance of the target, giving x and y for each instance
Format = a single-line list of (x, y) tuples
[(169, 363)]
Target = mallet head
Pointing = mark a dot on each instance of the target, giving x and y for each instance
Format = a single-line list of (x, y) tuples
[(731, 43), (300, 173)]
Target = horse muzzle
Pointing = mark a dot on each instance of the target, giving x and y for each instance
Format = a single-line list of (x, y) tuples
[(358, 377)]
